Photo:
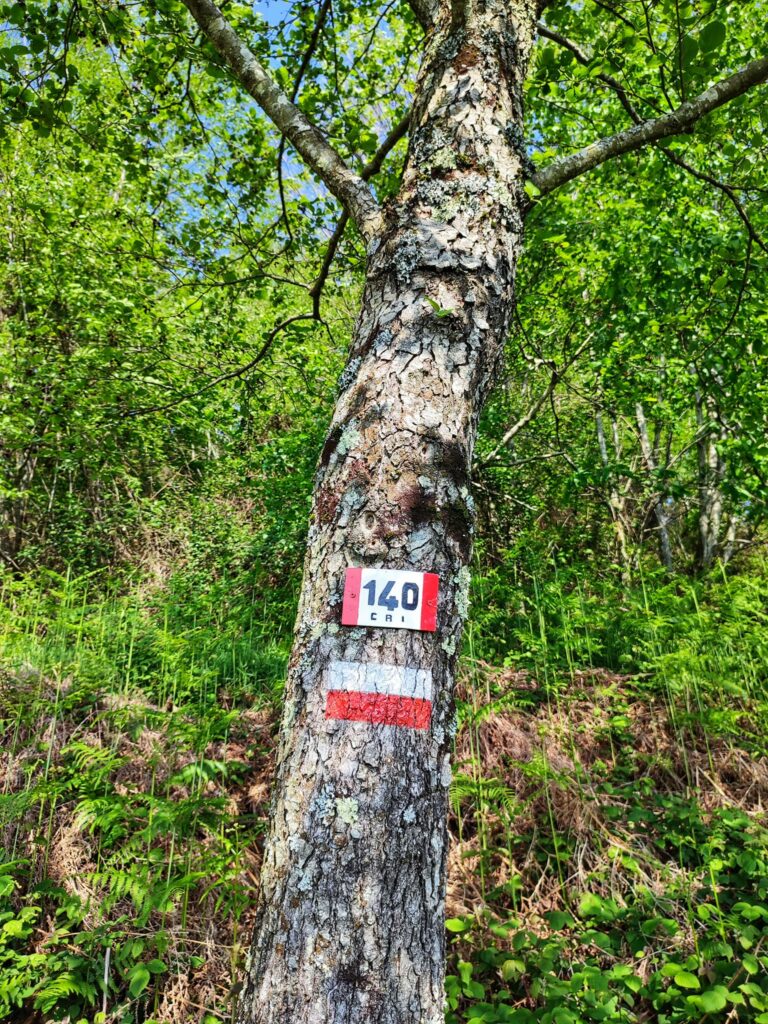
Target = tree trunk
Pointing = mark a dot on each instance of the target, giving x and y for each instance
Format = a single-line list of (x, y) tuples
[(659, 507), (350, 926), (731, 538), (711, 473), (616, 503)]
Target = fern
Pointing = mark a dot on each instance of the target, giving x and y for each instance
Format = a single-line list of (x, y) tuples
[(60, 988), (484, 792)]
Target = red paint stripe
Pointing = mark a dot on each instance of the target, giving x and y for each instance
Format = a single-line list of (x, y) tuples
[(429, 602), (379, 708), (349, 610)]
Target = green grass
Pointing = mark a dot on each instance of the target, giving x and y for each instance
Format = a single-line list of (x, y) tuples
[(130, 747)]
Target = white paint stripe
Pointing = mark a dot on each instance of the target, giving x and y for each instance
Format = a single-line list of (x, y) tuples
[(373, 678)]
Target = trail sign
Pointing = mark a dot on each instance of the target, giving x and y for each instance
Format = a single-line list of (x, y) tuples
[(391, 598)]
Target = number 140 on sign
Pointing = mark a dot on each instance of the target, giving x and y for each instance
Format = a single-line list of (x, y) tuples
[(391, 598)]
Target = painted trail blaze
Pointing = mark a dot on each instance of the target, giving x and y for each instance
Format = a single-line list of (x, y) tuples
[(380, 694), (390, 598)]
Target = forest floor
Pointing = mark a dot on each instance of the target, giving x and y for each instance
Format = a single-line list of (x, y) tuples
[(578, 823), (608, 859)]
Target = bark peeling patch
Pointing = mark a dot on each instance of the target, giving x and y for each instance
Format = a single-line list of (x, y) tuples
[(330, 444), (326, 504), (467, 58)]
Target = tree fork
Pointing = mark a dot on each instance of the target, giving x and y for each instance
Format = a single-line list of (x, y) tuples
[(351, 918)]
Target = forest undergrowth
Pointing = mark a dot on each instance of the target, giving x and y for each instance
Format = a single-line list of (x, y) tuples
[(609, 845)]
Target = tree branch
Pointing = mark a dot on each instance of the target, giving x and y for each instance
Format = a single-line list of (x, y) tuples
[(308, 141), (584, 58), (725, 188), (239, 371), (371, 168), (523, 422), (330, 254), (374, 165), (533, 411), (678, 121)]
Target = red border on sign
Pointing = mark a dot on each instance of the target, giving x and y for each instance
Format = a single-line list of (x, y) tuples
[(429, 602), (378, 708), (350, 608)]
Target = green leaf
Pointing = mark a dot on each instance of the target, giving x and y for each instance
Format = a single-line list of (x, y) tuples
[(15, 928), (156, 966), (457, 924), (140, 978), (512, 969), (751, 964), (684, 979), (712, 36), (689, 49), (714, 999), (465, 971), (559, 919)]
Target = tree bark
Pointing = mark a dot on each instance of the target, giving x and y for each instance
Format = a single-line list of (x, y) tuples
[(662, 515), (350, 926), (616, 503), (731, 538), (711, 473)]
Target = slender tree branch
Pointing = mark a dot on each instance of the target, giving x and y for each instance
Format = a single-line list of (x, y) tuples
[(370, 169), (376, 162), (725, 188), (516, 463), (678, 121), (305, 61), (330, 254), (534, 409), (654, 50), (308, 141), (584, 58), (239, 371), (523, 422), (616, 14)]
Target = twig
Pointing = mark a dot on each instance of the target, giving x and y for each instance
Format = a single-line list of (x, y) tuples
[(724, 187), (370, 169), (533, 411), (584, 58), (306, 58), (230, 374)]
